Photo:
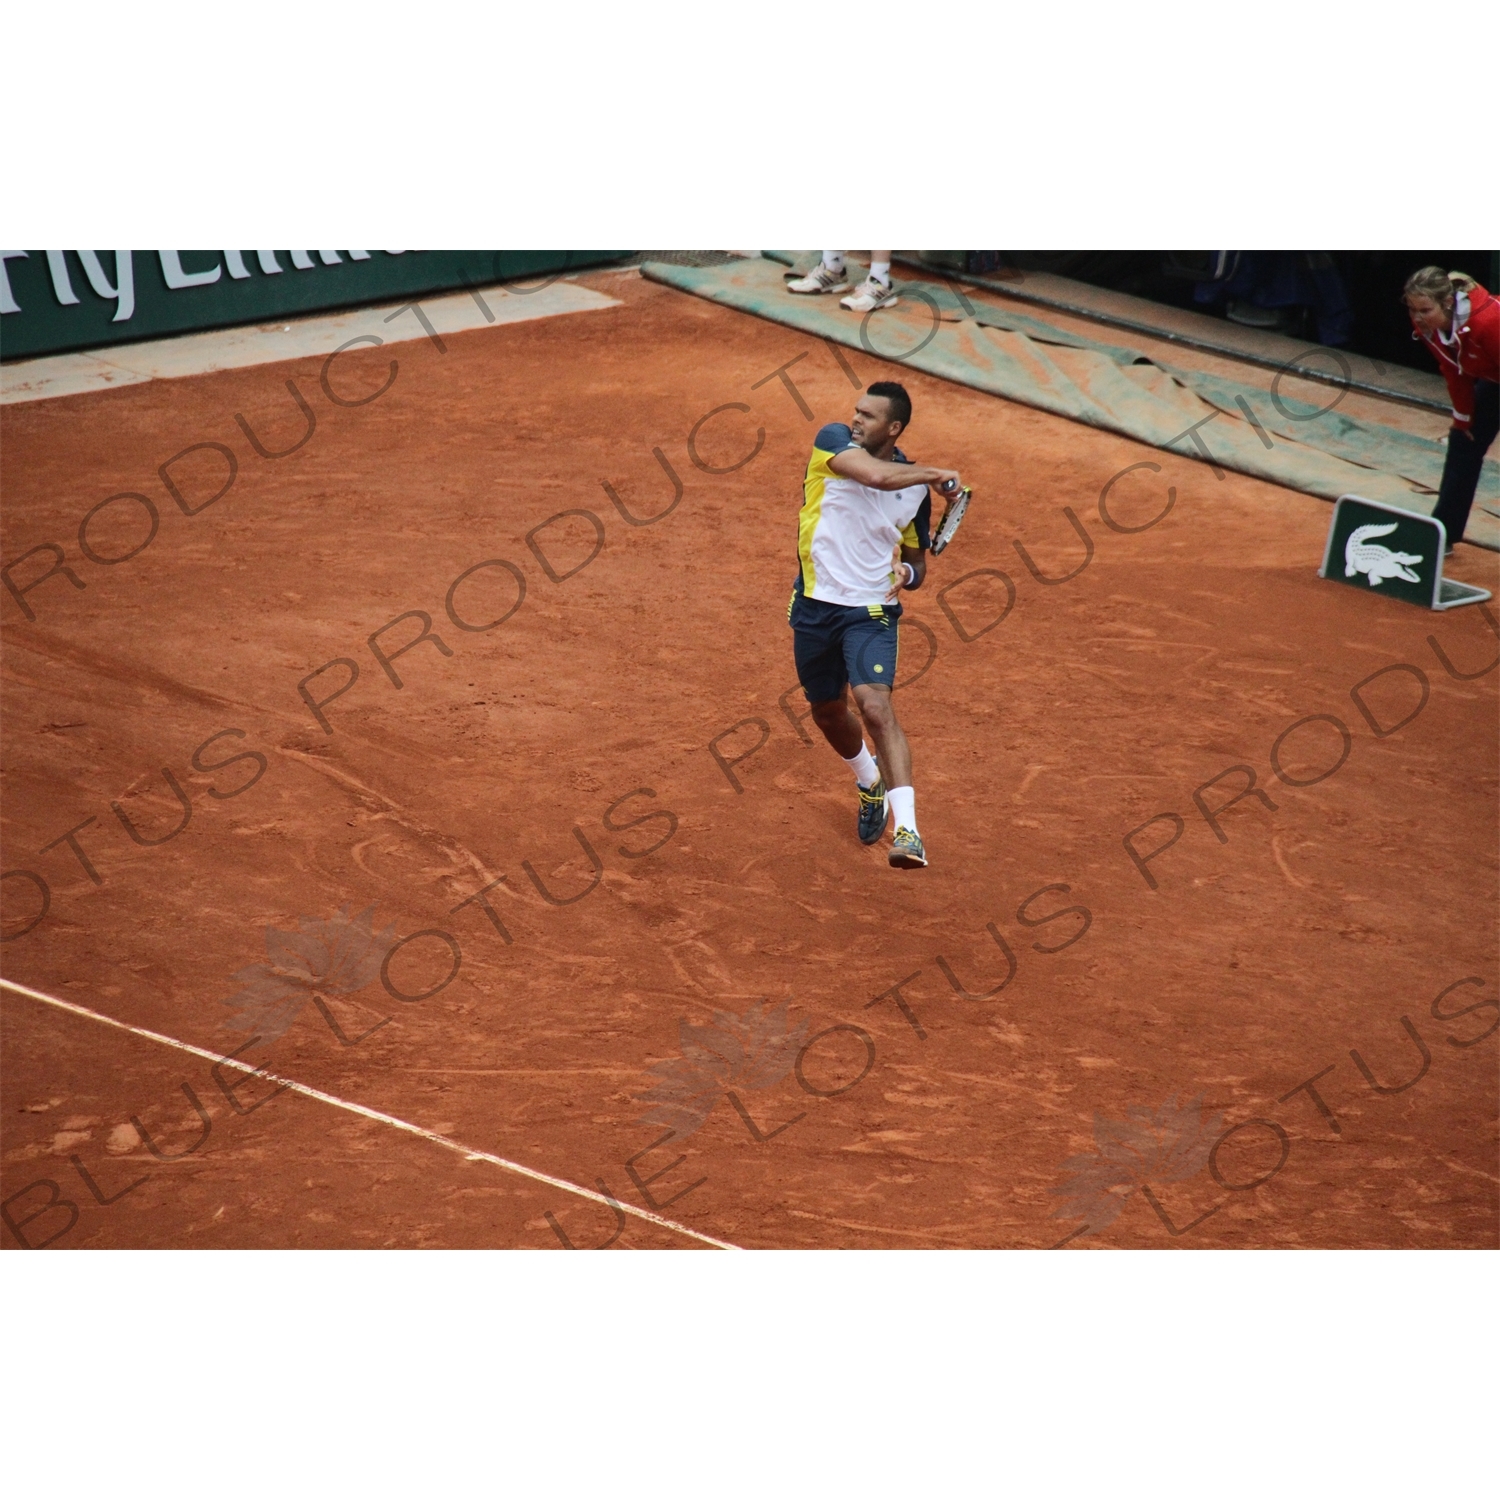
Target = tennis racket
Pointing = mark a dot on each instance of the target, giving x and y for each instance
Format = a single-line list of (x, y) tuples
[(953, 517)]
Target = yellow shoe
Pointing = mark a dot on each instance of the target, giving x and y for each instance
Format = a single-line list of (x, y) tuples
[(872, 812), (907, 852)]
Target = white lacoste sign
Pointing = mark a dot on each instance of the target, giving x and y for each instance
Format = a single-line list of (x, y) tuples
[(1377, 563)]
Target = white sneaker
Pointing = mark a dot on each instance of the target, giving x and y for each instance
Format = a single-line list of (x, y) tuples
[(820, 279), (870, 295)]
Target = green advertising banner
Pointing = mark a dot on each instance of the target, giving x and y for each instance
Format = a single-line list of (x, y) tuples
[(52, 300)]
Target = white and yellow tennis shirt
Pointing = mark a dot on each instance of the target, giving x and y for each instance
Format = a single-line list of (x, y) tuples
[(847, 532)]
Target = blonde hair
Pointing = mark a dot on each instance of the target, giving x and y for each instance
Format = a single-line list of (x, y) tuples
[(1438, 285)]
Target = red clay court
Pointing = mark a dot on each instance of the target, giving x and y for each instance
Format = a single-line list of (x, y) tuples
[(573, 780)]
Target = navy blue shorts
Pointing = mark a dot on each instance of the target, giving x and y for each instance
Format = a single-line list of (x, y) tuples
[(838, 644)]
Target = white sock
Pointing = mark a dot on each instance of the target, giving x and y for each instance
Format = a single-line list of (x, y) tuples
[(903, 802), (866, 772), (881, 270), (834, 259)]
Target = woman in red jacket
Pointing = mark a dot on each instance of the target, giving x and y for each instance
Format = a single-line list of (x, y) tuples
[(1460, 322)]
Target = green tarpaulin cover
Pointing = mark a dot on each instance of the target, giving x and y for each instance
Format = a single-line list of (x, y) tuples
[(948, 332)]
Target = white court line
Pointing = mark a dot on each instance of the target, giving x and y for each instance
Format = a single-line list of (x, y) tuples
[(467, 1152)]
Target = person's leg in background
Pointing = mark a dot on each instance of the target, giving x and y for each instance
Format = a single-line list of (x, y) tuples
[(1329, 299), (1465, 460)]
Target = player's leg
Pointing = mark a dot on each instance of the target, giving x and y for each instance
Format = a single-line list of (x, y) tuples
[(824, 679), (870, 648), (828, 276), (891, 744), (894, 750), (840, 727)]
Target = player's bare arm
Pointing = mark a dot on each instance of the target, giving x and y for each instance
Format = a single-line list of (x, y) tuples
[(873, 463), (879, 474)]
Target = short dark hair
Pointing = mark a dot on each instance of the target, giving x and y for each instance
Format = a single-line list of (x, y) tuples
[(895, 393)]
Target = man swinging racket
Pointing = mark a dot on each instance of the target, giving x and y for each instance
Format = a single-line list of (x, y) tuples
[(861, 498)]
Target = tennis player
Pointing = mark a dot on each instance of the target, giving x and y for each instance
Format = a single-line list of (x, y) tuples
[(862, 500)]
